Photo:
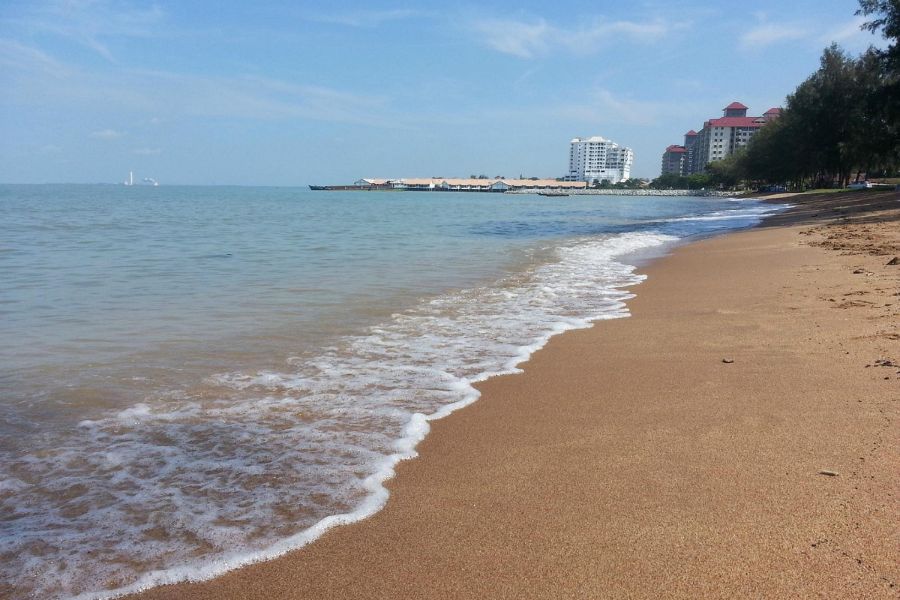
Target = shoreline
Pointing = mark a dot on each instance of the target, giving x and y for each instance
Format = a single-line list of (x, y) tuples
[(503, 484)]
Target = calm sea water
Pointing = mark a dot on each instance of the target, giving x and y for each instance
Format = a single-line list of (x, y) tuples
[(192, 378)]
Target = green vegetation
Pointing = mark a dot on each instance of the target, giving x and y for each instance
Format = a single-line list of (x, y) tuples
[(837, 125), (842, 122), (672, 181), (628, 184)]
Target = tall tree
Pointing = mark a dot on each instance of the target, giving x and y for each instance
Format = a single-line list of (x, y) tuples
[(887, 21)]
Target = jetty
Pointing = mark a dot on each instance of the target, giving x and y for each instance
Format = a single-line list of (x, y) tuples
[(449, 184)]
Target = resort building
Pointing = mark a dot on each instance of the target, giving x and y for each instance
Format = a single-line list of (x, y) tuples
[(673, 160), (595, 159), (678, 159), (719, 138)]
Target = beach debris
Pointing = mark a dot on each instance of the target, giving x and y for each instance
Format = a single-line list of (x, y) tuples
[(859, 271), (828, 473), (894, 261), (727, 361)]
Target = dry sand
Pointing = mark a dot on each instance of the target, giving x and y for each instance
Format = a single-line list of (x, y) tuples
[(630, 460)]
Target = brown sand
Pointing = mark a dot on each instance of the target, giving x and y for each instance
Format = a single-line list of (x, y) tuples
[(630, 461)]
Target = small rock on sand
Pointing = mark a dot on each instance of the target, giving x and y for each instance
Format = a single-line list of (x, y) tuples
[(727, 361), (894, 261), (829, 473)]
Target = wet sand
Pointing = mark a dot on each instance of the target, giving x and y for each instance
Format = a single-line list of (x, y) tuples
[(736, 437)]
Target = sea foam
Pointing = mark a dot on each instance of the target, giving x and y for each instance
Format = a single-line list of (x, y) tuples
[(189, 484)]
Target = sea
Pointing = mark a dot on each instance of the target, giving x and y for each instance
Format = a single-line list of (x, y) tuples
[(196, 378)]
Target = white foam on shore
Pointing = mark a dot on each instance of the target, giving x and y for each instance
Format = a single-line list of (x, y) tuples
[(231, 472)]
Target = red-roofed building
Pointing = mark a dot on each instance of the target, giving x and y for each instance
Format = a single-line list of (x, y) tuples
[(736, 109), (722, 137), (718, 139), (673, 159)]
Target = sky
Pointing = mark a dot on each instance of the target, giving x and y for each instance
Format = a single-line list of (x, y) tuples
[(293, 93)]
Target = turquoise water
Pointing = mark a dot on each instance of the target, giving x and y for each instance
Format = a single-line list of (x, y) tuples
[(196, 377)]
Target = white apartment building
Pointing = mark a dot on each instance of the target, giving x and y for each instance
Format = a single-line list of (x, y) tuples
[(597, 158)]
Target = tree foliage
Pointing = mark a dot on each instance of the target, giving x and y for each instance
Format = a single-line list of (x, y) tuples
[(886, 20), (673, 181), (840, 122)]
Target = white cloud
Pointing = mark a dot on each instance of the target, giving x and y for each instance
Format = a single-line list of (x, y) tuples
[(851, 36), (538, 37), (524, 40), (39, 79), (90, 23), (20, 57), (107, 134), (767, 34), (607, 107), (366, 18)]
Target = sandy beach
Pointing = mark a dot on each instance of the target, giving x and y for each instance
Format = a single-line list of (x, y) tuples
[(735, 438)]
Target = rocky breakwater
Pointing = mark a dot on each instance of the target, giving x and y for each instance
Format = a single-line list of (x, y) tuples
[(617, 192)]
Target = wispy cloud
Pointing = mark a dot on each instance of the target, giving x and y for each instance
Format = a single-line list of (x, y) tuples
[(17, 56), (90, 23), (848, 34), (851, 35), (530, 39), (524, 40), (366, 18), (604, 106), (766, 34), (40, 79), (107, 134)]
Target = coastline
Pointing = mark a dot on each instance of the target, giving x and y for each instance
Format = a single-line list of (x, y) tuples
[(629, 460)]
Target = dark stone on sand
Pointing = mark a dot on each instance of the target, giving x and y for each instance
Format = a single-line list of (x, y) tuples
[(828, 473), (727, 361), (894, 261)]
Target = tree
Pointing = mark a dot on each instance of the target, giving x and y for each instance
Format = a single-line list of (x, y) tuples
[(887, 21), (726, 172), (698, 181), (843, 120), (669, 181), (876, 138)]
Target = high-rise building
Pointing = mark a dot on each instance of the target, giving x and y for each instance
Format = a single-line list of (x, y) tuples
[(598, 159), (673, 160), (678, 159), (719, 138)]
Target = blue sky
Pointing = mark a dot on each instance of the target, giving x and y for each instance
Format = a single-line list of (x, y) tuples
[(290, 93)]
